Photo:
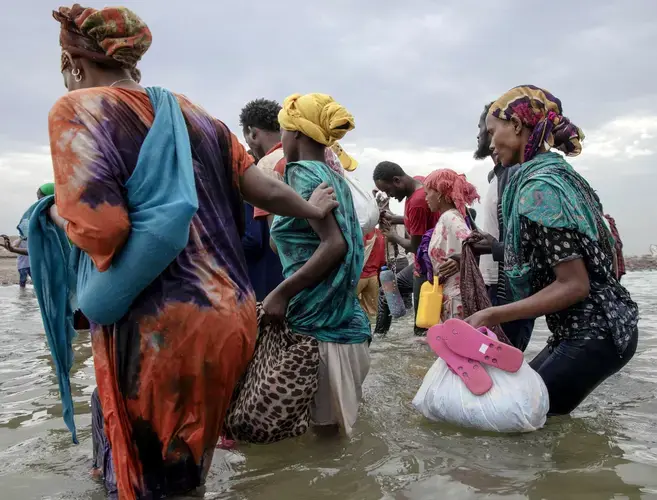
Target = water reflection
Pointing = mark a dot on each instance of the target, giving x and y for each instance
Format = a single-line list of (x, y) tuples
[(606, 450)]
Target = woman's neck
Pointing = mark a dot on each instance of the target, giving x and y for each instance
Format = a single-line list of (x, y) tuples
[(109, 78), (312, 153), (446, 207)]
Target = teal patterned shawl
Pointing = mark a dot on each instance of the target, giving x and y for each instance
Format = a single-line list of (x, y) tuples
[(548, 191), (329, 311)]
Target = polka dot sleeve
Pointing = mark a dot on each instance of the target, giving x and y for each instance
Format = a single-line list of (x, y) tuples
[(555, 245)]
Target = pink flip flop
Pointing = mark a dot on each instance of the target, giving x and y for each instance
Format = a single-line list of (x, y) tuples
[(487, 332), (226, 444), (467, 341), (474, 376)]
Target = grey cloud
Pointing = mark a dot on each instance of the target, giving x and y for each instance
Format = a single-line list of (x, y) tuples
[(415, 73)]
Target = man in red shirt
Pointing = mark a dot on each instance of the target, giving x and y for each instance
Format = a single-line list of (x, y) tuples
[(418, 219), (375, 259)]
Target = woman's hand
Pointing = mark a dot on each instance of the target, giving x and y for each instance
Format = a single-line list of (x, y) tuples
[(485, 245), (449, 268), (390, 234), (485, 317), (276, 197), (324, 198), (275, 305), (6, 242)]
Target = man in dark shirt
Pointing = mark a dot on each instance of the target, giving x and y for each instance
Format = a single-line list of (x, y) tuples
[(264, 266), (519, 332)]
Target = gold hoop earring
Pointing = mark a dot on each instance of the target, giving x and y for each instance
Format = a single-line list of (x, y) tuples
[(78, 76)]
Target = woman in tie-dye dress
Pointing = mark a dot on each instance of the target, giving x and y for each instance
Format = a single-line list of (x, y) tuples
[(166, 371)]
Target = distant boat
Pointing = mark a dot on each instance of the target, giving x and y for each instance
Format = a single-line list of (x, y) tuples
[(653, 250)]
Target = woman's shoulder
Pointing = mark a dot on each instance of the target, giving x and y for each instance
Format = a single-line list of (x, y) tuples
[(317, 170), (77, 99), (308, 164), (100, 101), (451, 217)]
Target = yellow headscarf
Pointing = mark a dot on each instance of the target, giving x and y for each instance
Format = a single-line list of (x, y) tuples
[(317, 116)]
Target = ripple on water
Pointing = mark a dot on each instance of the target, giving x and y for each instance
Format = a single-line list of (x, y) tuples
[(607, 449)]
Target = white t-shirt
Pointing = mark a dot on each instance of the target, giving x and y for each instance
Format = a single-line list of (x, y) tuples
[(490, 224)]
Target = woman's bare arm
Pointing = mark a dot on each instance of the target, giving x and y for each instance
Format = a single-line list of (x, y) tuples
[(12, 247), (570, 287), (278, 198), (330, 252)]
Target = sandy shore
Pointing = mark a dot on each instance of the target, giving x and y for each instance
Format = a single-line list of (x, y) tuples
[(8, 272)]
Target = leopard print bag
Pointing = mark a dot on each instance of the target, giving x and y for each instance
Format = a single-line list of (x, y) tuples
[(272, 400)]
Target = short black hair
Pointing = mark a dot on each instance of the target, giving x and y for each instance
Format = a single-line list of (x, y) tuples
[(484, 114), (262, 114), (483, 150), (387, 170)]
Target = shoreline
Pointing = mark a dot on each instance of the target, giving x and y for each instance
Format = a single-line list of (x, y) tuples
[(9, 273)]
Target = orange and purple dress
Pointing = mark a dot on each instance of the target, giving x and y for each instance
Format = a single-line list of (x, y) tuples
[(166, 371)]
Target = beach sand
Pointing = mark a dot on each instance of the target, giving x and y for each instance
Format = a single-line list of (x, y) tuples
[(8, 272)]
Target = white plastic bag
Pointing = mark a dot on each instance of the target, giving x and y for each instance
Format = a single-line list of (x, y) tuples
[(517, 402), (366, 208)]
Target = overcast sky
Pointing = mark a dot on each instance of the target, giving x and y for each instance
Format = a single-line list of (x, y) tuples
[(415, 75)]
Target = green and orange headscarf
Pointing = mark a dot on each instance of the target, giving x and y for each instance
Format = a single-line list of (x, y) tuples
[(114, 36)]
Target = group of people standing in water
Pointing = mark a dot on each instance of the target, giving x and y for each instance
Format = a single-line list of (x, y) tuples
[(275, 246)]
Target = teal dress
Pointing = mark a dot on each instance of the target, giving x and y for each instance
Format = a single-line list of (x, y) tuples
[(329, 311)]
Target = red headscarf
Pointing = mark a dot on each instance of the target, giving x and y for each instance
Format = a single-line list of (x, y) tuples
[(454, 186)]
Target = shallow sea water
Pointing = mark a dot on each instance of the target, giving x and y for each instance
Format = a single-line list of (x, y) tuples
[(607, 449)]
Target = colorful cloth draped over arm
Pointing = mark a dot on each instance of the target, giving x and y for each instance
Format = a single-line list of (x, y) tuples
[(330, 311), (474, 296)]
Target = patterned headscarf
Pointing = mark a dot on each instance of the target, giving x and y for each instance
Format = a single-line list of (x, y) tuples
[(114, 36), (540, 111), (454, 186), (317, 116)]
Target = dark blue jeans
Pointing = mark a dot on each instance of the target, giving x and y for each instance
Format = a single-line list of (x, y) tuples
[(23, 274), (102, 452), (520, 331), (574, 368)]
